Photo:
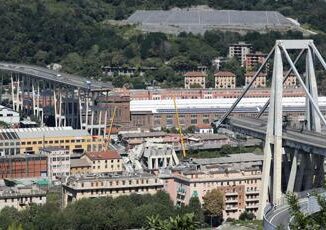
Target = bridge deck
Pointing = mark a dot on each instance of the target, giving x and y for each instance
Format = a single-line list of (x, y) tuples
[(307, 138), (54, 76)]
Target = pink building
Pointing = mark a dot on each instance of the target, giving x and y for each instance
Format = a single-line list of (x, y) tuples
[(238, 177)]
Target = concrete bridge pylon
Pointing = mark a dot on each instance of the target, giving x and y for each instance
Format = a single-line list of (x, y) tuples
[(305, 169)]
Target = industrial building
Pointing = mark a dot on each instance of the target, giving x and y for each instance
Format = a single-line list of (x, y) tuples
[(112, 185), (211, 93), (23, 166), (31, 140), (237, 176), (194, 112)]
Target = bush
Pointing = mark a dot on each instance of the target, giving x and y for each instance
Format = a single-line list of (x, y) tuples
[(247, 216)]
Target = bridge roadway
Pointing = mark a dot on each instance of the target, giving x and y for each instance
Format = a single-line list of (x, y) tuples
[(280, 216), (57, 77), (307, 140)]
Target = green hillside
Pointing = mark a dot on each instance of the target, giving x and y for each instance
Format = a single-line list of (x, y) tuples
[(75, 34)]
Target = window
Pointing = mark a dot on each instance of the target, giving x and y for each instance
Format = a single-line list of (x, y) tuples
[(206, 121), (193, 121)]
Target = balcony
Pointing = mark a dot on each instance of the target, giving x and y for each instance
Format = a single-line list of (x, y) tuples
[(231, 201), (231, 194), (252, 192), (231, 208)]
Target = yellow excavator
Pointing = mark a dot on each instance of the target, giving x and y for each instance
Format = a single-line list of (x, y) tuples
[(179, 128)]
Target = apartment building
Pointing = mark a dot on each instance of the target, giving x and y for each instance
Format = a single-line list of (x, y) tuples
[(239, 51), (195, 80), (238, 177), (225, 80), (58, 162), (291, 81), (23, 166), (260, 81), (21, 197), (254, 60), (80, 166), (112, 185), (104, 161), (32, 140)]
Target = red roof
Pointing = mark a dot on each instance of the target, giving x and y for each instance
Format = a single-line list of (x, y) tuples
[(224, 74), (103, 155), (253, 73), (204, 126), (195, 74)]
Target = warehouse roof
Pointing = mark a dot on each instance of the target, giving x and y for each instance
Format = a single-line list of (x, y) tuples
[(44, 132), (216, 105)]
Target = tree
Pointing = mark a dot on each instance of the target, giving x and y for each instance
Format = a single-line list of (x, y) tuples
[(226, 150), (184, 222), (213, 203), (195, 208), (300, 220)]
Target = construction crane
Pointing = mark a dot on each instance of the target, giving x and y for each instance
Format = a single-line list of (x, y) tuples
[(179, 128), (108, 139)]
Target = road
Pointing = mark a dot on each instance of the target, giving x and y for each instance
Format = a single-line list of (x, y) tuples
[(51, 75), (257, 128), (281, 215)]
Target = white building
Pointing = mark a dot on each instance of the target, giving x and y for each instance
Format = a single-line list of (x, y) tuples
[(240, 50), (58, 162), (8, 115)]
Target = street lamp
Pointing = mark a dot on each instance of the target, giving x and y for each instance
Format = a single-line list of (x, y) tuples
[(308, 206)]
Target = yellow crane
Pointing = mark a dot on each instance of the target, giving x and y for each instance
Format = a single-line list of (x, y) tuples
[(108, 139), (179, 128)]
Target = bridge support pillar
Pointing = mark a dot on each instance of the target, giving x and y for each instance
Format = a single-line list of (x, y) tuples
[(16, 94), (273, 143), (293, 172), (60, 119), (37, 110)]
